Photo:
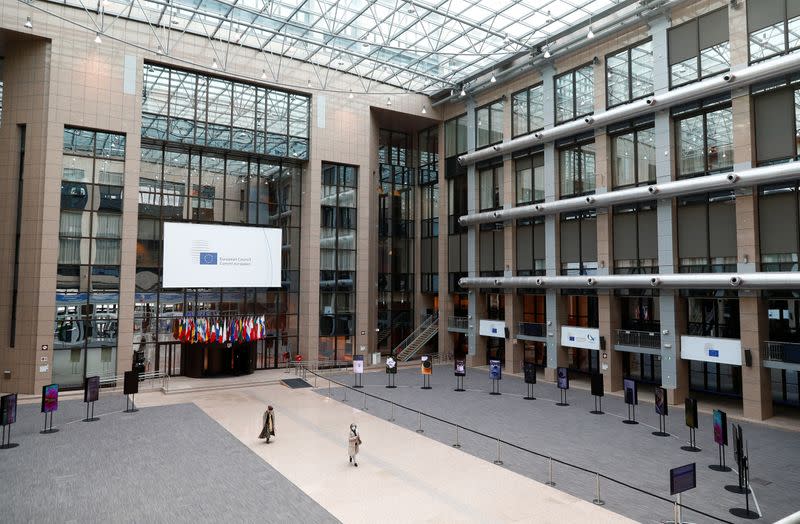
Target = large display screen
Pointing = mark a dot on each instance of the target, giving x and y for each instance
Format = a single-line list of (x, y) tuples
[(49, 398), (8, 409), (208, 255)]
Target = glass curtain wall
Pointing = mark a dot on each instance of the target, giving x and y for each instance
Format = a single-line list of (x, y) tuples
[(337, 263), (395, 239), (87, 282), (222, 152), (429, 190)]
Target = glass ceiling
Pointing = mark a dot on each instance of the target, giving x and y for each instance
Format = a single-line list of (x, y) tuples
[(420, 45)]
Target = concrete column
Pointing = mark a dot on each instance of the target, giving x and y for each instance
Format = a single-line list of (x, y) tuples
[(674, 371), (609, 316), (756, 381), (445, 341), (477, 347), (513, 311)]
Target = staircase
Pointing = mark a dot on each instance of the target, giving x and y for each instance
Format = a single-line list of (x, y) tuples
[(406, 349)]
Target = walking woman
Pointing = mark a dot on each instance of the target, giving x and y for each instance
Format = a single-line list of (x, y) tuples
[(353, 443), (268, 429)]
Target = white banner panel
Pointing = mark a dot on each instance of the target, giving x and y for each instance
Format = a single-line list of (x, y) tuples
[(492, 328), (706, 349), (578, 337), (209, 255)]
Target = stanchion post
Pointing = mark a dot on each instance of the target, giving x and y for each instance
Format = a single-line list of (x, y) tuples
[(457, 445), (365, 401), (498, 461), (419, 427), (597, 500), (550, 472)]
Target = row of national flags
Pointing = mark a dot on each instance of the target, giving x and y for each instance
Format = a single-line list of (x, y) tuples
[(192, 330)]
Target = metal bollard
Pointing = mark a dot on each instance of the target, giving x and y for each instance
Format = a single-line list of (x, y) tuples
[(365, 402), (345, 394), (550, 467), (391, 416), (597, 500), (419, 428), (457, 445), (498, 461), (329, 388)]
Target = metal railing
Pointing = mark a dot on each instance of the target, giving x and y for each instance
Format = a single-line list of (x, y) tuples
[(642, 339), (550, 460), (457, 322), (152, 376), (532, 329), (428, 322), (783, 352)]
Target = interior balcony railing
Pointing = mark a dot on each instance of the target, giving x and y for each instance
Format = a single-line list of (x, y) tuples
[(532, 329), (788, 352), (458, 323), (642, 339)]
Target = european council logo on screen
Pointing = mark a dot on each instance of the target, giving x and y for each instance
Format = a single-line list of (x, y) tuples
[(208, 259)]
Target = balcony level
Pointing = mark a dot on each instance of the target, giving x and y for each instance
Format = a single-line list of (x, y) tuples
[(782, 355), (632, 341)]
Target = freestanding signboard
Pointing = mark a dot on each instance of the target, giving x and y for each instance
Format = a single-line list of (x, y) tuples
[(426, 368), (391, 372), (358, 371), (690, 408), (8, 415), (682, 479), (495, 373), (662, 410), (49, 406), (631, 399), (91, 392), (529, 370), (562, 380), (460, 371), (130, 389), (720, 423), (598, 391)]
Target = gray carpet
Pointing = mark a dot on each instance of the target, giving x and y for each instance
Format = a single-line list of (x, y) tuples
[(600, 443), (161, 464)]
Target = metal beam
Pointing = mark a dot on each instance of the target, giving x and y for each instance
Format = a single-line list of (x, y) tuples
[(783, 280), (689, 186), (661, 101)]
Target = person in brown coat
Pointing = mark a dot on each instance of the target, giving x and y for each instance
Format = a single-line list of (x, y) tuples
[(268, 429)]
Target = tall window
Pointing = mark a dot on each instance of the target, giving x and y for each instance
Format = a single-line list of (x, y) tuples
[(527, 109), (773, 27), (707, 233), (529, 175), (489, 124), (337, 261), (489, 180), (704, 138), (779, 226), (455, 136), (574, 96), (576, 165), (429, 188), (530, 247), (633, 154), (776, 113), (90, 232), (579, 243), (395, 239), (635, 238), (192, 108), (629, 74), (699, 48)]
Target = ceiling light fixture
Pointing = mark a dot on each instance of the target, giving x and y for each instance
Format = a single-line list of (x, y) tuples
[(309, 82), (424, 111), (388, 101), (493, 79), (97, 39), (463, 92), (350, 96), (28, 23), (547, 52), (263, 74), (160, 50), (590, 34), (214, 64)]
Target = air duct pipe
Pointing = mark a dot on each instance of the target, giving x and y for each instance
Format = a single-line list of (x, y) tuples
[(718, 84), (745, 178), (785, 280)]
